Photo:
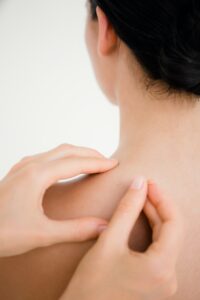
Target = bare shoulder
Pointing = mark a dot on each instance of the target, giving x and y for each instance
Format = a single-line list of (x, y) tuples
[(44, 273), (95, 195)]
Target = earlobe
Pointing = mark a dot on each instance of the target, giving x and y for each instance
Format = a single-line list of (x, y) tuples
[(107, 38)]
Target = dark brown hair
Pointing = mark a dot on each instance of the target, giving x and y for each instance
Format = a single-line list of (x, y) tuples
[(164, 35)]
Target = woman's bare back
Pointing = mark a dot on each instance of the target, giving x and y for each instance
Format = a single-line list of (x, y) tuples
[(43, 274)]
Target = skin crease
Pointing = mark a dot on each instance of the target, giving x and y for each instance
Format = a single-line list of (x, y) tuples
[(159, 138)]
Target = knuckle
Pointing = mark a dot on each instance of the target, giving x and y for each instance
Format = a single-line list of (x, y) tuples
[(162, 277), (159, 271), (25, 159), (64, 147), (170, 288), (20, 163), (32, 171), (94, 151), (124, 206)]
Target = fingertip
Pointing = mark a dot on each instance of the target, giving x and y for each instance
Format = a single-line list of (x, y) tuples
[(114, 160), (102, 228), (154, 192), (151, 182), (110, 163), (137, 183)]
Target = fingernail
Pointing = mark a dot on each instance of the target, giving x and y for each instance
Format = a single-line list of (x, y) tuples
[(102, 228), (137, 183)]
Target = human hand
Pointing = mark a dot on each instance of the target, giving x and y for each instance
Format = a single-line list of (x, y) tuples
[(23, 224), (110, 270)]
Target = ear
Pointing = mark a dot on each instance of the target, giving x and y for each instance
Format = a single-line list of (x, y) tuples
[(107, 38)]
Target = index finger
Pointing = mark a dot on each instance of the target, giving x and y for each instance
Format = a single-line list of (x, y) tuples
[(63, 150), (169, 239), (69, 167), (126, 214)]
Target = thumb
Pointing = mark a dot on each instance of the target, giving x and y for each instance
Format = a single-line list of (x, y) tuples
[(127, 213), (76, 230)]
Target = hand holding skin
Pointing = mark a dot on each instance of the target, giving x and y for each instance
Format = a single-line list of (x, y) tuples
[(23, 224), (110, 270)]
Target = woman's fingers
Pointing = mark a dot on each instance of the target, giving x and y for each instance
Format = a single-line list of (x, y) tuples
[(152, 215), (153, 218), (77, 230), (66, 150), (127, 213), (170, 234), (165, 207), (61, 151), (69, 167)]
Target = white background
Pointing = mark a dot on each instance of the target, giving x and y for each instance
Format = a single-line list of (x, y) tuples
[(48, 93)]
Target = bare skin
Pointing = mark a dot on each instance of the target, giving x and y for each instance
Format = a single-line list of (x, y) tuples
[(45, 273), (159, 138), (116, 272)]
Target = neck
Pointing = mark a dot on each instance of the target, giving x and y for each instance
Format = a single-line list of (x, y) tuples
[(156, 135), (158, 125)]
